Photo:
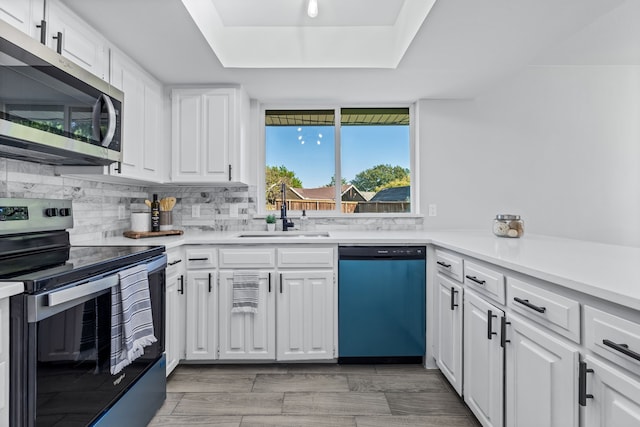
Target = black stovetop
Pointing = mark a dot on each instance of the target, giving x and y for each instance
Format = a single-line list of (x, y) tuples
[(43, 270)]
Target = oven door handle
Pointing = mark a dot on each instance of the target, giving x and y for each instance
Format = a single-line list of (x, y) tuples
[(66, 295)]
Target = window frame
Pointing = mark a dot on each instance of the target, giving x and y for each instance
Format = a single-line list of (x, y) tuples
[(337, 212)]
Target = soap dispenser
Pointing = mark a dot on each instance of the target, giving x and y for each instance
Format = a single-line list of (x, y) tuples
[(303, 220)]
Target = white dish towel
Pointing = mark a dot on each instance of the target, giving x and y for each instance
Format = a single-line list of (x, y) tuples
[(245, 291), (131, 317)]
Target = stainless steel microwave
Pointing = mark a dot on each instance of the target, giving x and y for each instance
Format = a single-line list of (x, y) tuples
[(51, 110)]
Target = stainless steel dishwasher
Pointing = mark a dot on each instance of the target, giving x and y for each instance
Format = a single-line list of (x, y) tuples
[(381, 304)]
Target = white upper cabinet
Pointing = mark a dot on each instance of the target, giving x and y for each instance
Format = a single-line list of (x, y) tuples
[(73, 38), (208, 135), (26, 15)]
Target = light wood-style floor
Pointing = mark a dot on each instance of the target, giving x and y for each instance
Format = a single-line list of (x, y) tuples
[(316, 395)]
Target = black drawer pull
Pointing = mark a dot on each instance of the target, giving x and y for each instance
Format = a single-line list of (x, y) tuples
[(444, 264), (582, 384), (178, 261), (453, 298), (490, 317), (269, 282), (181, 289), (209, 282), (475, 279), (503, 331), (526, 303), (199, 259), (622, 348)]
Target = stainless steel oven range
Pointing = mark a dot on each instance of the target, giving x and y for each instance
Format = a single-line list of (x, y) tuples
[(61, 326)]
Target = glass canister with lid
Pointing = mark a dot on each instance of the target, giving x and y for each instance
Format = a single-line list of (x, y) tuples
[(507, 225)]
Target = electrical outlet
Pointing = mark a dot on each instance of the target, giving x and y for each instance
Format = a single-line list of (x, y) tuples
[(195, 211), (233, 210), (122, 213), (433, 210)]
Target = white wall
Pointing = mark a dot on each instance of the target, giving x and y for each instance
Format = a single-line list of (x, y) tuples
[(558, 145)]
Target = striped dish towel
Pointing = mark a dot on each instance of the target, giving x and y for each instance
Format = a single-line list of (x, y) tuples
[(245, 292), (131, 318)]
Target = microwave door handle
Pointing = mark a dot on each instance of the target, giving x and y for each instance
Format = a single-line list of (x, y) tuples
[(70, 294), (97, 112)]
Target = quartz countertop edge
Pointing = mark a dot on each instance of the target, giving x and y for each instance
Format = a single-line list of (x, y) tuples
[(602, 270), (9, 289)]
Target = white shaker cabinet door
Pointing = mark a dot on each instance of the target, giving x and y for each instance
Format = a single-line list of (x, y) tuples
[(23, 14), (541, 378), (202, 315), (305, 315), (247, 335), (483, 360), (449, 337), (175, 319), (615, 400)]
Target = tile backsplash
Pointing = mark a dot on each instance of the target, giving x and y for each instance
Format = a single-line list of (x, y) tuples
[(96, 205)]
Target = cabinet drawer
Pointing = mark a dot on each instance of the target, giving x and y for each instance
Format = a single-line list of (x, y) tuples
[(247, 258), (201, 258), (558, 313), (450, 265), (484, 280), (305, 257), (174, 260), (613, 337)]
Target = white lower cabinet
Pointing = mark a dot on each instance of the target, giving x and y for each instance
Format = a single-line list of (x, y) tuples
[(175, 309), (247, 335), (449, 330), (611, 397), (4, 362), (483, 360), (305, 315), (541, 378), (202, 315)]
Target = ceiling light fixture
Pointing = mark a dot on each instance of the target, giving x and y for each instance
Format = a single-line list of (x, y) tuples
[(312, 9)]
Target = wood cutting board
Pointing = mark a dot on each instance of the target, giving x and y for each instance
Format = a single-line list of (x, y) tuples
[(145, 234)]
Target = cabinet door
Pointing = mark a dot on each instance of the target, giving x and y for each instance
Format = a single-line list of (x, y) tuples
[(80, 42), (616, 396), (203, 128), (202, 319), (541, 378), (23, 14), (4, 362), (483, 360), (175, 319), (248, 335), (449, 338), (305, 315)]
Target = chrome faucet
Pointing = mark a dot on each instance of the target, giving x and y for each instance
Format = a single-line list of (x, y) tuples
[(286, 224)]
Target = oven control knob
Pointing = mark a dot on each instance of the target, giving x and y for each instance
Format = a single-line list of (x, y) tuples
[(51, 212), (64, 211)]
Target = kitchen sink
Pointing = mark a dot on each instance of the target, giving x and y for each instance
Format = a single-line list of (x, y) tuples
[(278, 234)]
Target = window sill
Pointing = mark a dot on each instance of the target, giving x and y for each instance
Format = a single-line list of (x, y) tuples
[(331, 215)]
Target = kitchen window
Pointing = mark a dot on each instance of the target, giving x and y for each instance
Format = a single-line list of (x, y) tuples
[(366, 150)]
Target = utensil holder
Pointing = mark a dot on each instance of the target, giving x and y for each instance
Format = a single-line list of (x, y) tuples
[(140, 221), (166, 220)]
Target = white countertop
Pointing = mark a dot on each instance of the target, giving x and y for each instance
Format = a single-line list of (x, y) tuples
[(602, 270)]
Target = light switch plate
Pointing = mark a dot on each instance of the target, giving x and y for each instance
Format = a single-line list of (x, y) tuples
[(433, 210), (122, 213), (233, 210), (195, 211)]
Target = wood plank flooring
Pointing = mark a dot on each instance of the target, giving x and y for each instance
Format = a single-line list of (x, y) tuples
[(311, 395)]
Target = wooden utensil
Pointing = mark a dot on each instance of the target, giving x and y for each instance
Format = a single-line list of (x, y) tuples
[(171, 202), (147, 202)]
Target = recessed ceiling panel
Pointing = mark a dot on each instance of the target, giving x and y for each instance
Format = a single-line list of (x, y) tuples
[(292, 13), (279, 34)]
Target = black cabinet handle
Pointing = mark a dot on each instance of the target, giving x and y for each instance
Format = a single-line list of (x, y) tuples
[(118, 168), (229, 172), (178, 261), (280, 282), (490, 317), (453, 298), (503, 331), (43, 31), (526, 303), (199, 259), (582, 384), (58, 37), (269, 282), (181, 288), (444, 264), (622, 348), (209, 282), (475, 279)]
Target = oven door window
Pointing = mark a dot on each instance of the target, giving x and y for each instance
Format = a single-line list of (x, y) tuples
[(74, 383)]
